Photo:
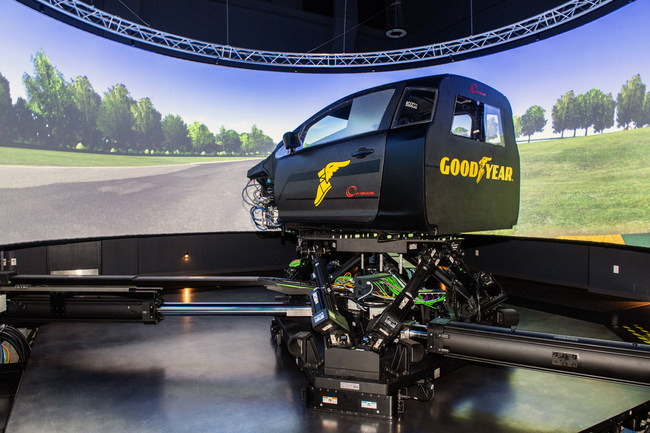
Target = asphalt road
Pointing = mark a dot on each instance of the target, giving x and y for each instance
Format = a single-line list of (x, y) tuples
[(48, 203)]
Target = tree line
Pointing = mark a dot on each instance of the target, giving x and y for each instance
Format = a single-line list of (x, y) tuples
[(591, 109), (60, 114)]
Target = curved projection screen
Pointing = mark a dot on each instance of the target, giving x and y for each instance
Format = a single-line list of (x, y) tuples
[(101, 139)]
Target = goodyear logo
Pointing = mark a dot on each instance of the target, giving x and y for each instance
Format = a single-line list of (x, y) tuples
[(482, 169), (324, 176)]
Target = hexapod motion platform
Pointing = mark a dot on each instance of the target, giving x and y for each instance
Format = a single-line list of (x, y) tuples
[(378, 301)]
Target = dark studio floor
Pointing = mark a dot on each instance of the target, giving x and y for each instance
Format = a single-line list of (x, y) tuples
[(224, 374)]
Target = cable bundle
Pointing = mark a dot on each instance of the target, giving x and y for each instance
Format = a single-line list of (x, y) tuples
[(13, 337), (391, 286), (344, 282), (261, 212)]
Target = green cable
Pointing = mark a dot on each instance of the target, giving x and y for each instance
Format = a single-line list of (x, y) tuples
[(294, 286)]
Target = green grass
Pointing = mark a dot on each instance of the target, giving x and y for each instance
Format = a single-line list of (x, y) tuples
[(586, 185), (18, 156)]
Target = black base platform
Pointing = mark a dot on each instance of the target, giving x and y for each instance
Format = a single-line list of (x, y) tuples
[(225, 374)]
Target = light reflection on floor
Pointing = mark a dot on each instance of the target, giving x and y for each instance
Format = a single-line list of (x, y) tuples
[(186, 295)]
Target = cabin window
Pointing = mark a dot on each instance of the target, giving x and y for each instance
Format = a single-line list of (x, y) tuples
[(416, 107), (462, 125), (477, 121), (493, 126), (355, 116)]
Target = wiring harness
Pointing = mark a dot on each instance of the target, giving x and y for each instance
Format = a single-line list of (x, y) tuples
[(389, 287), (10, 336), (386, 288), (262, 211)]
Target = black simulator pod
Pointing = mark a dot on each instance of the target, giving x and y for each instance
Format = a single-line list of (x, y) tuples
[(434, 155)]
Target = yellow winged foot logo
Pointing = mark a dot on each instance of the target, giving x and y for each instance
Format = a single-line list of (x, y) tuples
[(325, 175)]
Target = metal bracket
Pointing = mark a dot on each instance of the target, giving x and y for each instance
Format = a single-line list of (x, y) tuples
[(57, 304), (436, 336)]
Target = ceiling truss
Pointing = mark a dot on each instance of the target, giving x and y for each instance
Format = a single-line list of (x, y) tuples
[(442, 52)]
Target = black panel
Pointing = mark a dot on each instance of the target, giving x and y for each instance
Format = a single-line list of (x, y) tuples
[(220, 253), (544, 261), (28, 260), (620, 272), (217, 253), (120, 256), (82, 255)]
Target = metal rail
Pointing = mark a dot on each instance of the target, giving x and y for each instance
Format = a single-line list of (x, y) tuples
[(141, 281), (235, 309)]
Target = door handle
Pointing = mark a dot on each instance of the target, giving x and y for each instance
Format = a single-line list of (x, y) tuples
[(362, 152)]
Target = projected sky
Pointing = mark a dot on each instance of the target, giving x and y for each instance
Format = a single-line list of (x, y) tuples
[(580, 187), (604, 54)]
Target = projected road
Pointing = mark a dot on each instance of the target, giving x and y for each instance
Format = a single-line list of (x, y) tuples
[(46, 203)]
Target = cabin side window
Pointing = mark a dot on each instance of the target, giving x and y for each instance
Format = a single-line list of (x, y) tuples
[(346, 119), (477, 121), (353, 117), (416, 107)]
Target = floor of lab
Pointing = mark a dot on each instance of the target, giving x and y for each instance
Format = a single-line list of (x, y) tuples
[(224, 374)]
